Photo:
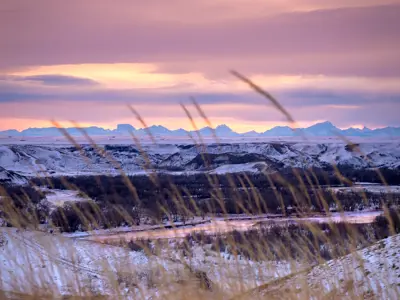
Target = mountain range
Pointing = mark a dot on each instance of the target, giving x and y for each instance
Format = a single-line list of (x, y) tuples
[(319, 129)]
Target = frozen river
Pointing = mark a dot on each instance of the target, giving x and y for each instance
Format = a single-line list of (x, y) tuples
[(219, 225)]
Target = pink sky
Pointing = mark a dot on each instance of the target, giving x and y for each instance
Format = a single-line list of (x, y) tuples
[(86, 60)]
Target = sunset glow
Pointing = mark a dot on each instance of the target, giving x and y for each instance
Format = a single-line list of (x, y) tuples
[(323, 60)]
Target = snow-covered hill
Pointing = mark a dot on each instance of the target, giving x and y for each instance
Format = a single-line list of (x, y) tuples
[(66, 266), (371, 273), (62, 266), (19, 161), (10, 176), (53, 263)]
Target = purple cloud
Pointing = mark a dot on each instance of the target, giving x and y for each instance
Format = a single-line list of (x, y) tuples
[(60, 80), (360, 41)]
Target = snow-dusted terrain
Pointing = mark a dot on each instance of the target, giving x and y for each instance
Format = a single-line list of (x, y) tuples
[(60, 265), (18, 161), (55, 198), (365, 188), (370, 273)]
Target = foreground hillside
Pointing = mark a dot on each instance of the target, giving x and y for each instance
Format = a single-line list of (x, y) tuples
[(60, 266), (56, 266), (370, 273), (20, 161)]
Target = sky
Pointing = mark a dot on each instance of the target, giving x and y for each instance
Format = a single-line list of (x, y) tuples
[(86, 61)]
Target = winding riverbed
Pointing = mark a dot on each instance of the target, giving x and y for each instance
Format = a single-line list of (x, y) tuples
[(220, 225)]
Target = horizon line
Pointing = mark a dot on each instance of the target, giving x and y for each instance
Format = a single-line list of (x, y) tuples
[(359, 127)]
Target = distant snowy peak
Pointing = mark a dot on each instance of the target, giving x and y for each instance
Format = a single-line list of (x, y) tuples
[(10, 132), (54, 131), (251, 134), (221, 130), (279, 131), (319, 129), (356, 132), (155, 130), (224, 130), (323, 126), (125, 128)]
